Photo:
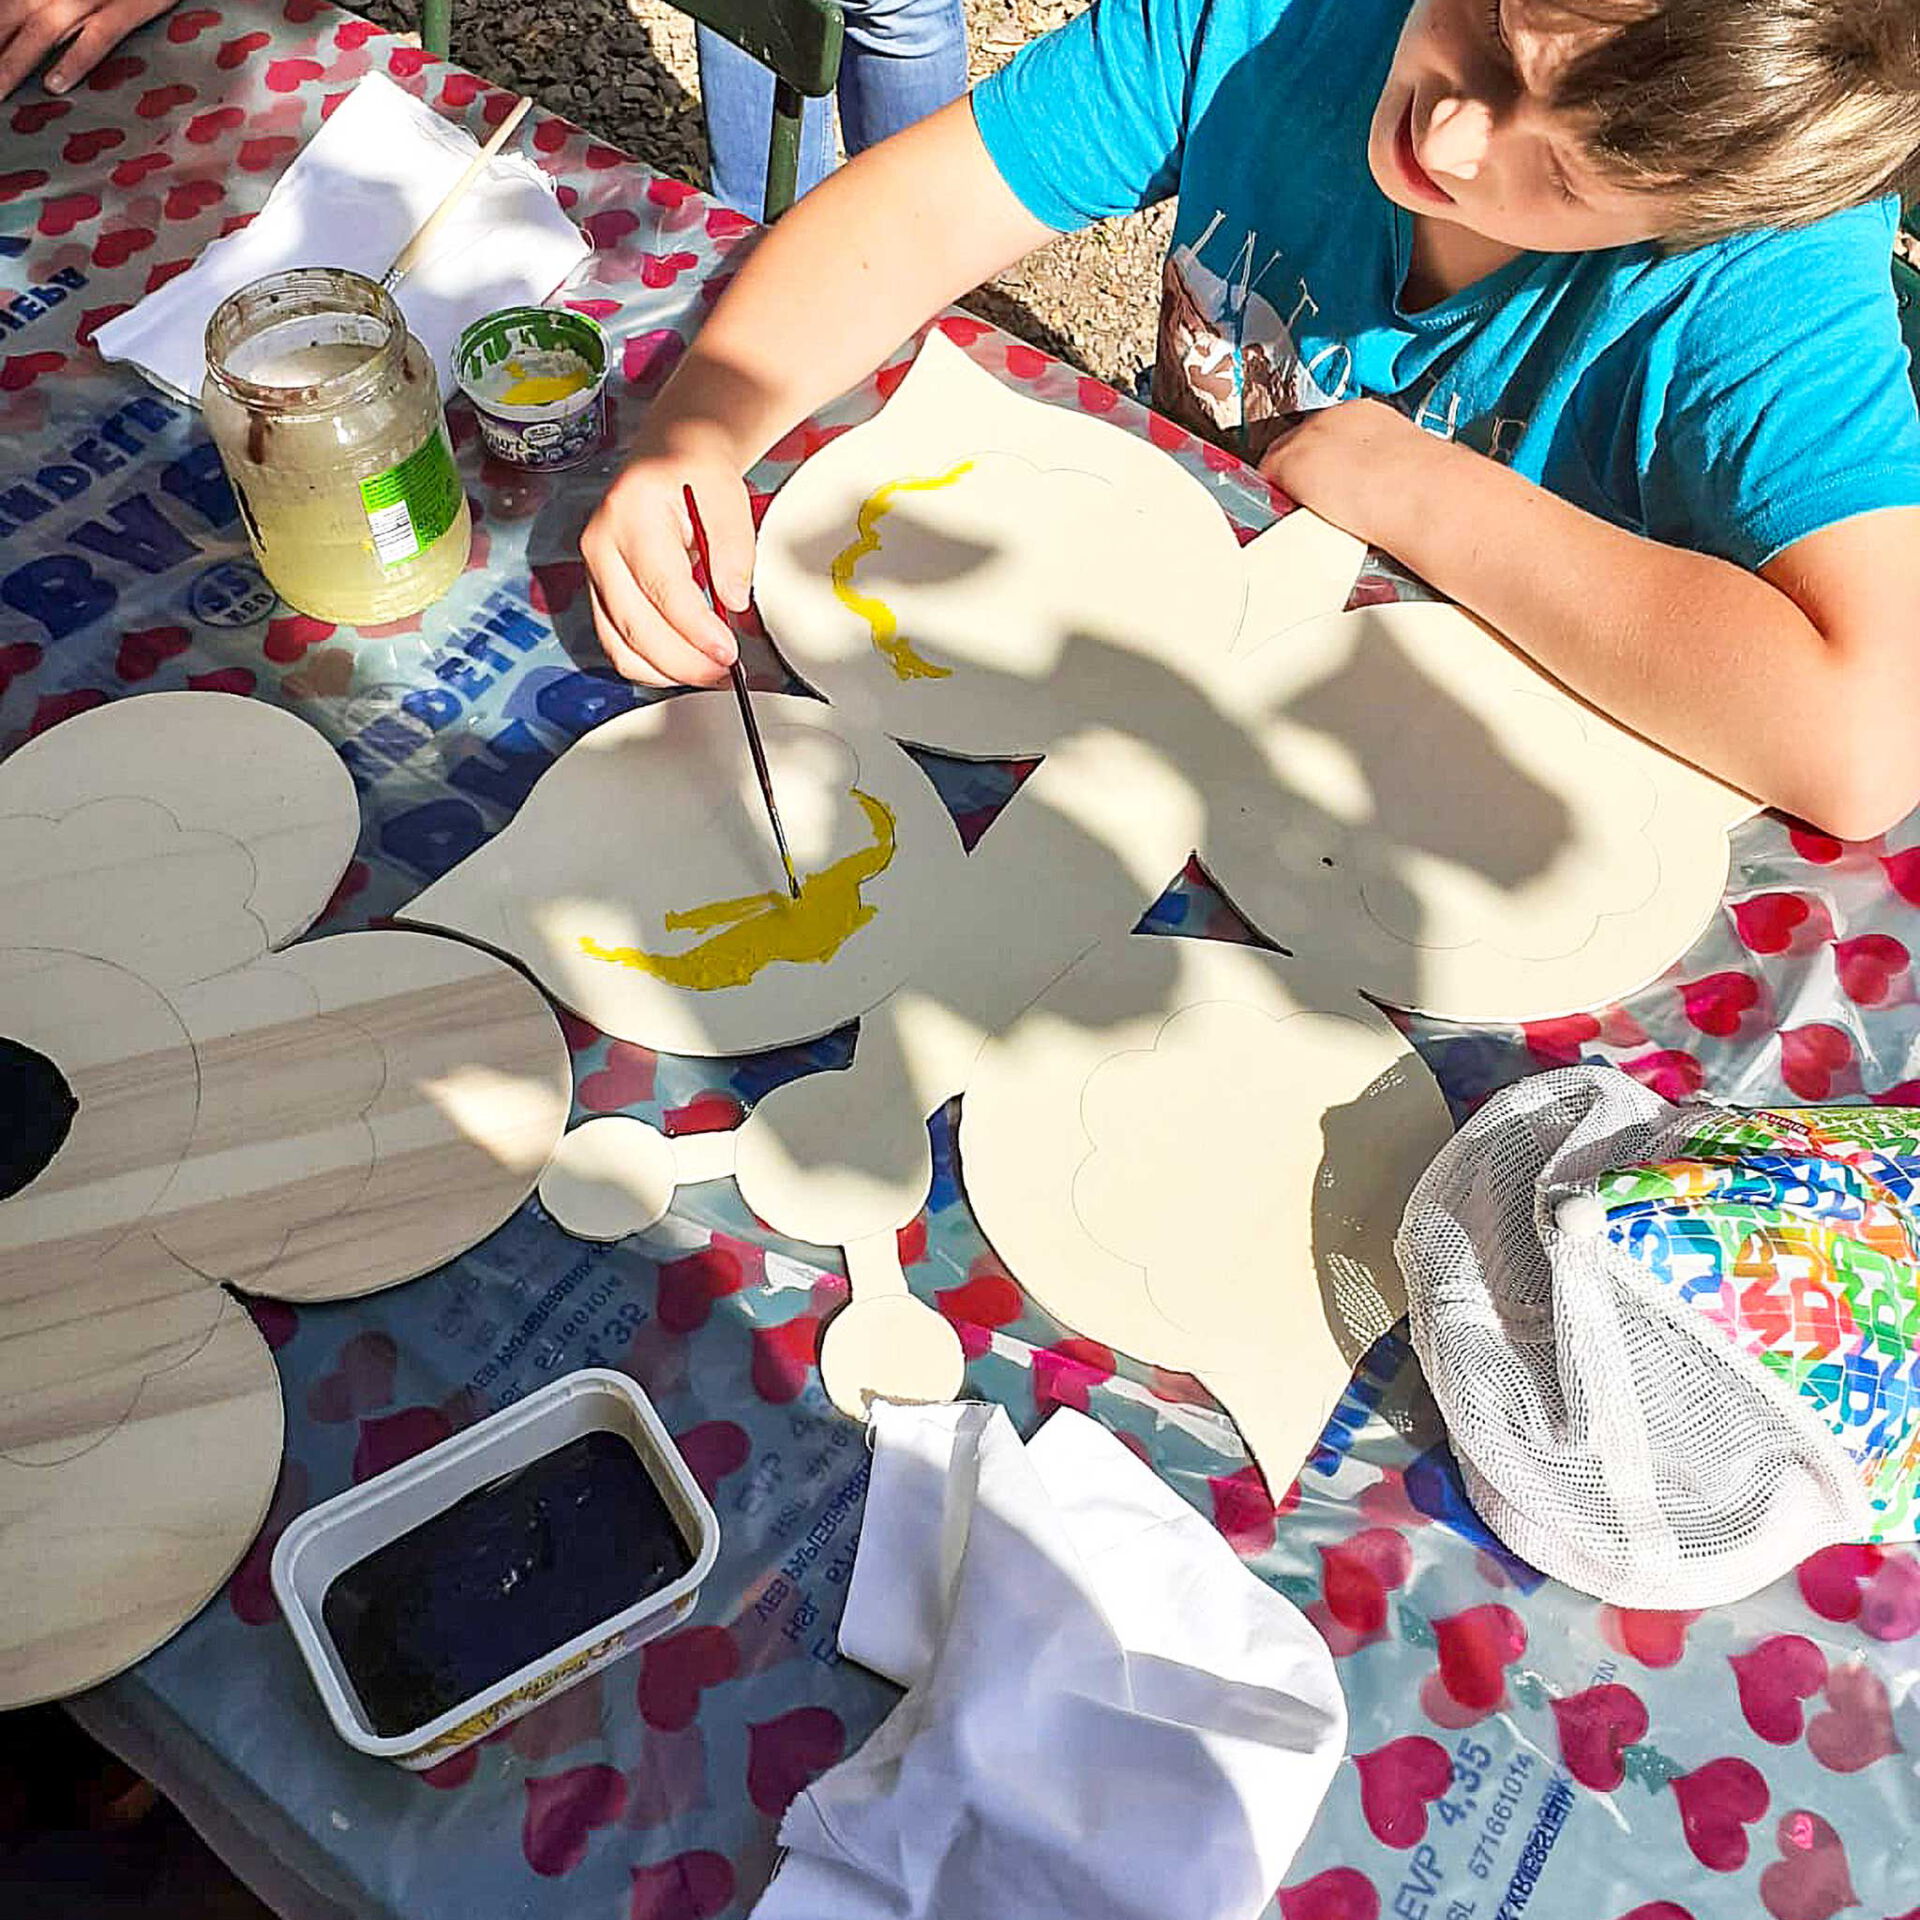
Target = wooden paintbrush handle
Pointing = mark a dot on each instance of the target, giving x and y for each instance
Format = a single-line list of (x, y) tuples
[(408, 256)]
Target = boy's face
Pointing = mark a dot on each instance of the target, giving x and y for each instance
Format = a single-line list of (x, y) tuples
[(1462, 133)]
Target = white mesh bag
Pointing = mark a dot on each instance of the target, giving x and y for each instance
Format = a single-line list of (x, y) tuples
[(1606, 1431)]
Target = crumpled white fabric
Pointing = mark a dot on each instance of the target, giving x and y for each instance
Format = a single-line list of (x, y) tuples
[(1107, 1715), (354, 198)]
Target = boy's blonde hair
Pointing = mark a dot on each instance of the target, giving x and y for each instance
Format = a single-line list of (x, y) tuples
[(1750, 113)]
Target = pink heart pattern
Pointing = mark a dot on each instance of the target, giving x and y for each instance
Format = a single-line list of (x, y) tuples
[(674, 1672), (1719, 1003), (690, 1886), (787, 1755), (389, 1438), (1770, 923), (1774, 1678), (1872, 970), (625, 1081), (783, 1358), (1810, 1880), (1857, 1727), (689, 1286), (1655, 1639), (1341, 1893), (1596, 1728), (710, 1112), (361, 1380), (564, 1810), (647, 358), (987, 1301), (1398, 1783), (713, 1450), (1718, 1803), (1817, 1061), (1866, 1584), (1244, 1511), (1065, 1374), (1357, 1575), (1671, 1072), (1476, 1649)]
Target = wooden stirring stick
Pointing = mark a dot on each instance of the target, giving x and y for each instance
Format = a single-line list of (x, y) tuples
[(409, 256)]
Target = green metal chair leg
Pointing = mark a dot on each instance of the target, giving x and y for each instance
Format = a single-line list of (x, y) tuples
[(783, 150), (436, 25), (798, 41)]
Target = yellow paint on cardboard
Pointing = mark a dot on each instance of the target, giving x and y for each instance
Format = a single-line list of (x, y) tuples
[(885, 624), (759, 928)]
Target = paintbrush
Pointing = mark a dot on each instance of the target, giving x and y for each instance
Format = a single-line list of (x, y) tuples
[(740, 694), (409, 256)]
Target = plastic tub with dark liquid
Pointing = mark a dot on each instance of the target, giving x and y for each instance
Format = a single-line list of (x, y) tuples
[(459, 1590)]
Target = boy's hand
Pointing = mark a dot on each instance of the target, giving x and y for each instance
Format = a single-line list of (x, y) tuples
[(651, 616), (1340, 460), (91, 29)]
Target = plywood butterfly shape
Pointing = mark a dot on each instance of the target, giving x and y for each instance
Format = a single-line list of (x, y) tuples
[(1192, 1151), (198, 1107)]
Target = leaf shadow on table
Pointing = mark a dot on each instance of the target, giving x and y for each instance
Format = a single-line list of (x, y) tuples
[(1054, 874)]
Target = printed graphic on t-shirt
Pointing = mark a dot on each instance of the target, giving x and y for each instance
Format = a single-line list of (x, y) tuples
[(1228, 365)]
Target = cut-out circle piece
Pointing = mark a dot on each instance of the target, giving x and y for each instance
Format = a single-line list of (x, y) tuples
[(609, 1178), (1205, 1172), (885, 1344), (36, 1114), (893, 1348), (640, 883)]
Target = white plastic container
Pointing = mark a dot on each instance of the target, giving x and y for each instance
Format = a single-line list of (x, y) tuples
[(341, 1532)]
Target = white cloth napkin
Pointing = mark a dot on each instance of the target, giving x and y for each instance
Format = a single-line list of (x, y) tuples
[(1108, 1717), (354, 198)]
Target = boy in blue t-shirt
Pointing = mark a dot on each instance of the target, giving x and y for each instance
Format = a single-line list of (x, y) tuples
[(1579, 308)]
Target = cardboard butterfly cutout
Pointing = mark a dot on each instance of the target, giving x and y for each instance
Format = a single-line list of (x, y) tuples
[(1196, 1154), (214, 1109)]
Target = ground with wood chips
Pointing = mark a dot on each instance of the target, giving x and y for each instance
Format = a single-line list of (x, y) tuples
[(625, 69)]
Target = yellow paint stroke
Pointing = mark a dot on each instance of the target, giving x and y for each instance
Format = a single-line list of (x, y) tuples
[(887, 640), (541, 389), (759, 928)]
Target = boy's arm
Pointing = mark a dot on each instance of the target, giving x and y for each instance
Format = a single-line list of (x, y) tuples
[(1796, 684), (859, 263)]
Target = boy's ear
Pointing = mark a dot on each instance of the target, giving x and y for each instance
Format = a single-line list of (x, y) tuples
[(1300, 568)]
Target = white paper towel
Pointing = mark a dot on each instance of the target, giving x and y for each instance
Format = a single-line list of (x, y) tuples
[(354, 198), (1107, 1716)]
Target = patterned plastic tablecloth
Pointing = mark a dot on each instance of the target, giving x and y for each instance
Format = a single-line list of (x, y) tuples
[(1516, 1747)]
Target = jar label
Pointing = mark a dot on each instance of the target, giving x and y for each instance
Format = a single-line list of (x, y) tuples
[(411, 505)]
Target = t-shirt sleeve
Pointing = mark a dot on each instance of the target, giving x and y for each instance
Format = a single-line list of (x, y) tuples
[(1788, 403), (1088, 120)]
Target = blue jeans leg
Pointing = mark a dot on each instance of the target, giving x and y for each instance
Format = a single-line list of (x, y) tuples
[(737, 93), (903, 59)]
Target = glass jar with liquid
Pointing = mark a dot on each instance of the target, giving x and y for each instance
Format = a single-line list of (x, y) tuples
[(327, 414)]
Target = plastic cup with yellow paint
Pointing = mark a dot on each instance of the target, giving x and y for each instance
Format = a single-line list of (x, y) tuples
[(537, 378)]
